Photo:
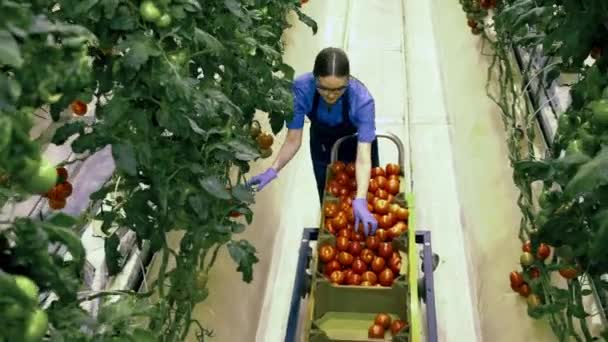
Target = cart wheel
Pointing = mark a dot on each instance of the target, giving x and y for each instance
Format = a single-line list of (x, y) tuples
[(435, 261), (307, 284), (422, 288)]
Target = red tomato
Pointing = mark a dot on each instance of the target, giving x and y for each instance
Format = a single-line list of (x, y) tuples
[(378, 264), (534, 272), (56, 204), (386, 277), (337, 277), (345, 258), (355, 248), (397, 326), (383, 320), (350, 169), (372, 242), (353, 279), (392, 186), (381, 180), (382, 234), (359, 266), (386, 221), (381, 207), (527, 247), (396, 177), (327, 253), (329, 225), (377, 171), (342, 178), (568, 272), (543, 251), (367, 255), (372, 186), (357, 236), (337, 166), (385, 250), (402, 214), (370, 276), (366, 283), (79, 107), (335, 190), (381, 193), (331, 266), (395, 264), (330, 210), (393, 169), (524, 290), (516, 279), (342, 243), (375, 331), (340, 221)]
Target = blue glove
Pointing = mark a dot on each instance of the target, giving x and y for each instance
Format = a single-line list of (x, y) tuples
[(263, 179), (363, 216)]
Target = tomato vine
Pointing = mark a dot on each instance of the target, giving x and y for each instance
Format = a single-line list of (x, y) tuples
[(562, 195), (172, 86)]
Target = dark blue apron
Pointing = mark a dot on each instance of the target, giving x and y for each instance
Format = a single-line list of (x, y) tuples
[(323, 137)]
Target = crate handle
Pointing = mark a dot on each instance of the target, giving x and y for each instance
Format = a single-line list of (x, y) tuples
[(388, 135)]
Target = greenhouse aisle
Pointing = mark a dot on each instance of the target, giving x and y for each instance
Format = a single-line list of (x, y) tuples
[(392, 50)]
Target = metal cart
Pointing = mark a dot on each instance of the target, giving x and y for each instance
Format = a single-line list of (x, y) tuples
[(421, 286)]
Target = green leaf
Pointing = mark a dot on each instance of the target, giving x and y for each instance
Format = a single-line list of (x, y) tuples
[(238, 228), (124, 155), (140, 50), (195, 127), (591, 175), (243, 253), (307, 20), (234, 7), (64, 132), (586, 292), (277, 121), (62, 220), (215, 187), (113, 257), (534, 169), (209, 41), (70, 240), (287, 70), (83, 6), (222, 228), (243, 194), (9, 50), (198, 203), (243, 150), (577, 311)]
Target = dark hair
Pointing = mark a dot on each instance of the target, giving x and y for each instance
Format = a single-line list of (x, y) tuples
[(331, 62)]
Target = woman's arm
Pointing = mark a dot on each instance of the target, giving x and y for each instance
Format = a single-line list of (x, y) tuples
[(363, 168), (290, 147)]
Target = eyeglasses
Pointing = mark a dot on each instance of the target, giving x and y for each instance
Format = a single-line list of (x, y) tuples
[(332, 90)]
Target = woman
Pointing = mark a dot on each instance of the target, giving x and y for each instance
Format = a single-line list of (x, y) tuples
[(337, 105)]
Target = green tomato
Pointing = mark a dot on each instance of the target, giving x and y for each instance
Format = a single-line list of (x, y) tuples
[(13, 311), (600, 112), (149, 11), (37, 325), (164, 20), (39, 177), (575, 146), (27, 286), (178, 58), (526, 259)]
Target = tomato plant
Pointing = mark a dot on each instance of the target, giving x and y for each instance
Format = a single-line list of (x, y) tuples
[(175, 86)]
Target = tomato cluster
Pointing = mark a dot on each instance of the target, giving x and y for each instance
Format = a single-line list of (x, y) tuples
[(382, 322), (58, 195), (264, 140)]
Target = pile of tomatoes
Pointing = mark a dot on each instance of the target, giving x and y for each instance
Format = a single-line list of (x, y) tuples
[(382, 322), (356, 259), (58, 195)]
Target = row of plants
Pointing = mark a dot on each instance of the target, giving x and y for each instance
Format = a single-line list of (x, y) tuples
[(563, 194), (172, 86)]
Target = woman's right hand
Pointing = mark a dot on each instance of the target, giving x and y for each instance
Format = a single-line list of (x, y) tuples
[(262, 179)]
